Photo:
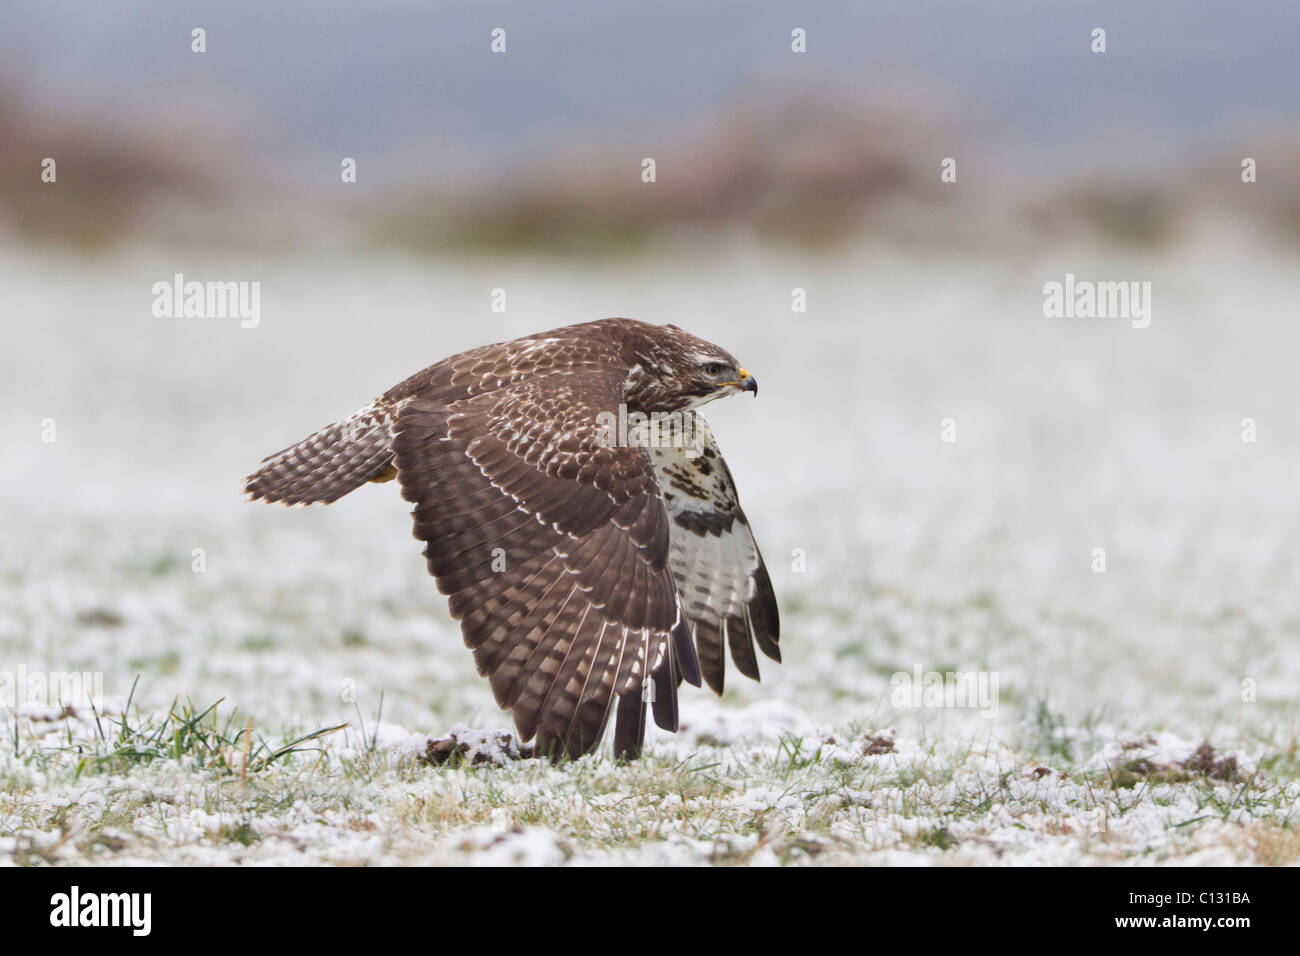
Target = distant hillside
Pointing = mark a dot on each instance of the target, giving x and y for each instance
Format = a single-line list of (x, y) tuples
[(799, 169)]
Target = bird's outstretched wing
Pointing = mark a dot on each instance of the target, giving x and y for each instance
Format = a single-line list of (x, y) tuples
[(553, 545), (714, 559)]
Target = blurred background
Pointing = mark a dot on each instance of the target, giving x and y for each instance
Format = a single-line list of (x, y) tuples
[(531, 148), (776, 171)]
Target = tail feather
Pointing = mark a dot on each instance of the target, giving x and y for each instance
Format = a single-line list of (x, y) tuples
[(327, 465)]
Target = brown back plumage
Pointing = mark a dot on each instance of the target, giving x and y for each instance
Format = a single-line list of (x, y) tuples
[(580, 569)]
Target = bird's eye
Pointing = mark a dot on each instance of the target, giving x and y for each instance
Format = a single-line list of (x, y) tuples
[(712, 368)]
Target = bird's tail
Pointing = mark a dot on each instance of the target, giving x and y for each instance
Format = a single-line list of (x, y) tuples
[(327, 465)]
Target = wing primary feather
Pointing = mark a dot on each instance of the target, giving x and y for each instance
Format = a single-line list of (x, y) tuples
[(685, 650), (629, 725), (667, 678)]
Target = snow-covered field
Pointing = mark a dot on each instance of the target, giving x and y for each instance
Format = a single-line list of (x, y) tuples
[(1142, 714)]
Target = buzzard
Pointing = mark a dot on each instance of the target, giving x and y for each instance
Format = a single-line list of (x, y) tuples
[(576, 512)]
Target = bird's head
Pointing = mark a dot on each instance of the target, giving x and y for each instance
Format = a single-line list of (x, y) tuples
[(676, 370)]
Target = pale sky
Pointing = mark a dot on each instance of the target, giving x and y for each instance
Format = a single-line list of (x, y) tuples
[(399, 76)]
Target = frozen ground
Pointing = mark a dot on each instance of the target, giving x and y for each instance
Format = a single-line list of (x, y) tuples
[(975, 555)]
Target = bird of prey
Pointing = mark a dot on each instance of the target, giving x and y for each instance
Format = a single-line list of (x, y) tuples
[(578, 515)]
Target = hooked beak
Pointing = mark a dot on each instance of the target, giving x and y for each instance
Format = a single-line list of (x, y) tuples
[(746, 382)]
